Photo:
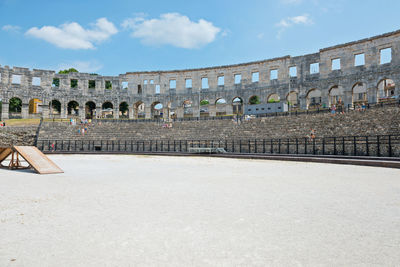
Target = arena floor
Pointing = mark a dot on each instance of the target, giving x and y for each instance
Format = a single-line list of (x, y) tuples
[(118, 210)]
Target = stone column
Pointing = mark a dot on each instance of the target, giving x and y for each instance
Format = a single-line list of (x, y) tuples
[(179, 112), (64, 111), (229, 109), (116, 113), (148, 112), (82, 113), (4, 111), (212, 110), (98, 112), (131, 115), (25, 111), (45, 111), (165, 113), (196, 112)]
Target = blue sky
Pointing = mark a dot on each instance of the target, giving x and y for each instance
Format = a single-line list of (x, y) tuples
[(114, 37)]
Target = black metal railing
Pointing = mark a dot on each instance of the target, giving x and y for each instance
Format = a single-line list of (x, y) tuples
[(373, 146)]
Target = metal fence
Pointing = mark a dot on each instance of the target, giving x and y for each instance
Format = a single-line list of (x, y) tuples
[(379, 146)]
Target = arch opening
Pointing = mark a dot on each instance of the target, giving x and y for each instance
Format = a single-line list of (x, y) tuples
[(140, 112), (359, 94), (273, 98), (335, 96), (35, 106), (254, 100), (73, 108), (293, 99), (187, 108), (204, 108), (55, 107), (157, 110), (90, 110), (220, 106), (237, 106), (107, 110), (314, 99), (386, 90), (124, 110)]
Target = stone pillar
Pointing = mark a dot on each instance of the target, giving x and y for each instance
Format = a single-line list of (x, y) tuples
[(212, 110), (4, 111), (116, 113), (196, 112), (45, 111), (131, 115), (147, 112), (165, 114), (229, 109), (64, 111), (82, 113), (25, 111), (179, 112)]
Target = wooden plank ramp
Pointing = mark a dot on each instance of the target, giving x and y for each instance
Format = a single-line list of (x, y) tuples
[(39, 161), (4, 153)]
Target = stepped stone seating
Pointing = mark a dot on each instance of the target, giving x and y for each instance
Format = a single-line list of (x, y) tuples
[(376, 121), (17, 135)]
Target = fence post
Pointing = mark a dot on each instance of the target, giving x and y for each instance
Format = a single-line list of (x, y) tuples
[(305, 144), (263, 146), (240, 146), (297, 146), (249, 145), (279, 146), (355, 146), (287, 150), (334, 146), (367, 144), (323, 146), (272, 146), (343, 146), (313, 146), (390, 146)]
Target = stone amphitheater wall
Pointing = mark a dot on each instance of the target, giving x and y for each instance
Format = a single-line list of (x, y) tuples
[(154, 87)]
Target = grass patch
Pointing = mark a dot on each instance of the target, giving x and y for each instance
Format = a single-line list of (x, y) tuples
[(22, 122)]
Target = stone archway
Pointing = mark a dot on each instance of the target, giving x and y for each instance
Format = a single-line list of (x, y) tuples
[(55, 107), (157, 110), (187, 108), (204, 108), (359, 92), (293, 99), (73, 108), (140, 112), (314, 99), (386, 89), (35, 106), (107, 110), (123, 110), (90, 110), (237, 106)]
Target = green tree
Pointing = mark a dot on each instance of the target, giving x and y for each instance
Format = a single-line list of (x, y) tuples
[(123, 107), (15, 105), (254, 100), (68, 71), (204, 102)]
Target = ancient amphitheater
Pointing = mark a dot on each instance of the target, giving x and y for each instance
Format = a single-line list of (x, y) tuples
[(135, 192), (364, 71)]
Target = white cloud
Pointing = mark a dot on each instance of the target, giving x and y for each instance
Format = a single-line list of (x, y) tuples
[(74, 36), (172, 29), (291, 21), (11, 28), (82, 66)]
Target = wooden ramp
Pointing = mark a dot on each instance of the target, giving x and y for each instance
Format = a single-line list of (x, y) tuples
[(33, 156)]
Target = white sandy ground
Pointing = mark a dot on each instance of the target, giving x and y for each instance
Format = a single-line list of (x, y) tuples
[(111, 210)]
